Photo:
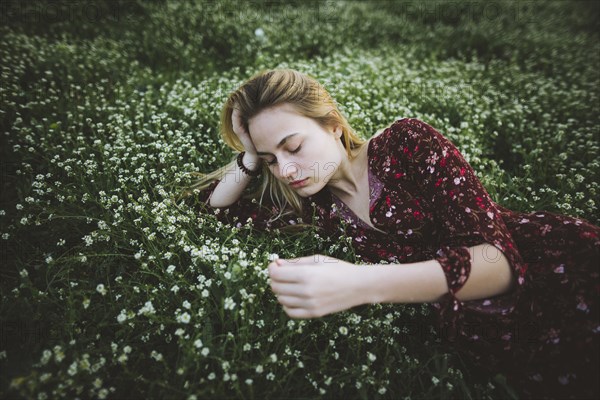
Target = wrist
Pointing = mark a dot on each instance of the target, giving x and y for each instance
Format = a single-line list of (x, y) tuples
[(366, 285), (250, 172), (251, 161), (417, 282)]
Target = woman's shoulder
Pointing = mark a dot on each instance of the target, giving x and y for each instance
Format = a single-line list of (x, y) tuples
[(382, 130), (390, 147), (382, 138), (397, 123), (403, 131)]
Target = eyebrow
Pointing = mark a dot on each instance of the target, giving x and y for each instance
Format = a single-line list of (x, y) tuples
[(281, 143)]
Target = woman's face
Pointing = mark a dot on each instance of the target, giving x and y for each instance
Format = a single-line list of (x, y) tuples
[(296, 148)]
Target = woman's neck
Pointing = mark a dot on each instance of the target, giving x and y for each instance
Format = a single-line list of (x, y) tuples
[(352, 173)]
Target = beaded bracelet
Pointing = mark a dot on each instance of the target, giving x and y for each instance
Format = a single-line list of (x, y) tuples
[(243, 167)]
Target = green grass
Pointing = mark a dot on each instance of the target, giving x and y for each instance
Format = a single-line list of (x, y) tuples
[(103, 114)]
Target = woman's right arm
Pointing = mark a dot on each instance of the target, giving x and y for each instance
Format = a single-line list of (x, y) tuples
[(233, 183), (225, 195), (230, 188)]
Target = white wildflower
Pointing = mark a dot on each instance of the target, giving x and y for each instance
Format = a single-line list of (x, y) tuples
[(147, 309), (229, 303), (122, 317), (101, 289), (184, 318)]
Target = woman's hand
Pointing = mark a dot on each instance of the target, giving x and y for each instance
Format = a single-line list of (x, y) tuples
[(242, 134), (317, 285)]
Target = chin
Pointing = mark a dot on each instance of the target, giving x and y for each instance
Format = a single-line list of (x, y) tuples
[(307, 192)]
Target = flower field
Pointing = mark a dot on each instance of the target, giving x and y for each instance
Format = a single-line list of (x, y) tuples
[(112, 289)]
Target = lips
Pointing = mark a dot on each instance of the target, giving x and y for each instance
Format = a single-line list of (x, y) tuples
[(298, 182)]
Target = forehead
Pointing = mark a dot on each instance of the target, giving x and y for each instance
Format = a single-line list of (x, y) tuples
[(275, 119), (277, 126)]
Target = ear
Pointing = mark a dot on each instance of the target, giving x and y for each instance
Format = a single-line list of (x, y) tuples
[(337, 132)]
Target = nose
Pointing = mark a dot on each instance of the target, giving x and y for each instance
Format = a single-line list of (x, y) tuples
[(289, 171)]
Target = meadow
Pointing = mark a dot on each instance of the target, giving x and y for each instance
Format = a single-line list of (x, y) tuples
[(111, 289)]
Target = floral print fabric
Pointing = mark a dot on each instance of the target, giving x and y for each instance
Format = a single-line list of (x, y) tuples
[(427, 203)]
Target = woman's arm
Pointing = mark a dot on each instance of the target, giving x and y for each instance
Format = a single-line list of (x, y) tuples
[(230, 188), (464, 214), (424, 282), (223, 199), (314, 286)]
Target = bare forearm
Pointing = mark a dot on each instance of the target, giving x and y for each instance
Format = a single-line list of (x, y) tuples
[(425, 282), (231, 186)]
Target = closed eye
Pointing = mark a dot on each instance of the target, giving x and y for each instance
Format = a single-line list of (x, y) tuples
[(292, 152)]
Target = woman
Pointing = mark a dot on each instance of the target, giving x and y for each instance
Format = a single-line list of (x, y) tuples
[(516, 291)]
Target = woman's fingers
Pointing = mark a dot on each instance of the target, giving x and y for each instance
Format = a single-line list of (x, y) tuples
[(291, 302), (287, 289), (285, 274)]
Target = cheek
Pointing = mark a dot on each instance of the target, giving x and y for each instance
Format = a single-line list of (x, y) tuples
[(326, 166), (318, 162)]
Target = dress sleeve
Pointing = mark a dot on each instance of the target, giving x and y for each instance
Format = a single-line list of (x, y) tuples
[(238, 213), (464, 214)]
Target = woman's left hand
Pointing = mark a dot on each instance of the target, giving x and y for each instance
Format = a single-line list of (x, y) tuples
[(314, 286)]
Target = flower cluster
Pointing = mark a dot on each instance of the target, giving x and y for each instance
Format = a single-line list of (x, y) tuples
[(105, 114)]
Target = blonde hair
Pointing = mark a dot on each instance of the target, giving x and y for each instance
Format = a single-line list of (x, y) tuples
[(269, 88)]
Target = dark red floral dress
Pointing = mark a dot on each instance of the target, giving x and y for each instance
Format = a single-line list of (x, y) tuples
[(427, 203)]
